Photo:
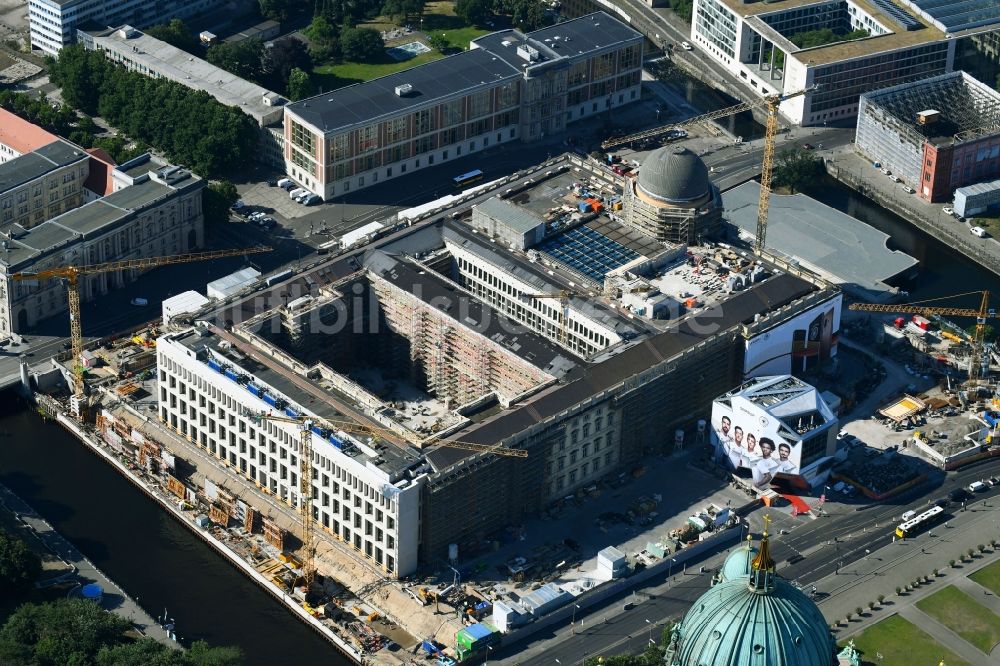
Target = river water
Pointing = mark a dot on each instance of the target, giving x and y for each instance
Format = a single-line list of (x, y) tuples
[(143, 549)]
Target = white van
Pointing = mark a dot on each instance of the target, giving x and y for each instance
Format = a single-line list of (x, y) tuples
[(284, 181), (908, 515), (977, 487), (978, 231), (297, 192)]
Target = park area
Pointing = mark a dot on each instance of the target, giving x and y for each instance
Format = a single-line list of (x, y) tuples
[(897, 641), (440, 27), (989, 577), (968, 618)]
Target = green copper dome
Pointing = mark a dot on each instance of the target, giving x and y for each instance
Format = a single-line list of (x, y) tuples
[(737, 564), (752, 619)]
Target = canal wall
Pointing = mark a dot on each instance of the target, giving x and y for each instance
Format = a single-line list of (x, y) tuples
[(54, 409), (941, 231)]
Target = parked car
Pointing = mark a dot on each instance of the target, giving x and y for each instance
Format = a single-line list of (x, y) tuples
[(979, 231), (140, 302), (687, 46), (959, 495), (948, 210), (885, 171), (895, 179), (285, 182), (808, 146), (907, 189), (238, 205), (312, 200), (297, 192), (271, 182)]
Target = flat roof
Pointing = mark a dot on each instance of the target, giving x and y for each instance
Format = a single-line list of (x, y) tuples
[(392, 459), (39, 162), (957, 15), (979, 188), (586, 381), (447, 297), (192, 72), (900, 38), (368, 102), (510, 215), (487, 62), (832, 243)]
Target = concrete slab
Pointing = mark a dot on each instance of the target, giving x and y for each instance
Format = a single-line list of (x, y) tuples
[(835, 245)]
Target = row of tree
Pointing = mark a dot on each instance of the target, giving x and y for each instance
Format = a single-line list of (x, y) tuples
[(190, 127)]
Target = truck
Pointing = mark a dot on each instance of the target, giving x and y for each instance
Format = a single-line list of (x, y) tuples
[(922, 322)]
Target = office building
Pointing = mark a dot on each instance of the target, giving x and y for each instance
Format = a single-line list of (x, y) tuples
[(755, 41), (42, 183), (53, 23), (507, 87), (18, 136), (936, 135), (159, 215)]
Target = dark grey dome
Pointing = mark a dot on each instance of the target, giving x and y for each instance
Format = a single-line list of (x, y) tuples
[(675, 175)]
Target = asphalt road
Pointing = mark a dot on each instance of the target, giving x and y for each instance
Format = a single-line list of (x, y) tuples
[(826, 545)]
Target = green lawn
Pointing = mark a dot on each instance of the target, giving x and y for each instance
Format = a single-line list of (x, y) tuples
[(459, 38), (898, 641), (989, 577), (331, 77), (966, 617)]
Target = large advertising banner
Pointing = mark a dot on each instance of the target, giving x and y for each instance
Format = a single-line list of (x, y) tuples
[(747, 438), (796, 345)]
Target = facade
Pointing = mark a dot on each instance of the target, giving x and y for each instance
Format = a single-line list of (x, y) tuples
[(753, 40), (368, 498), (672, 198), (158, 216), (53, 23), (976, 199), (771, 426), (937, 135), (42, 184), (507, 87)]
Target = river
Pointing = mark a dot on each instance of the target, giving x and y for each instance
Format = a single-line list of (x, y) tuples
[(143, 549)]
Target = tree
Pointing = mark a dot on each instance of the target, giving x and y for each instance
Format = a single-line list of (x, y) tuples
[(322, 38), (439, 43), (528, 14), (473, 12), (244, 58), (300, 85), (79, 73), (796, 168), (361, 44), (217, 199), (277, 10), (284, 56), (177, 34), (683, 8), (19, 566)]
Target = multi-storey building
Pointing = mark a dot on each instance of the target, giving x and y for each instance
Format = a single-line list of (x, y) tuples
[(936, 135), (53, 23), (367, 497), (42, 183), (756, 42), (159, 215), (507, 87), (138, 52), (18, 136)]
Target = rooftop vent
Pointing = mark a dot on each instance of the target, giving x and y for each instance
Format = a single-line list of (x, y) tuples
[(928, 117), (528, 53), (128, 32), (404, 89)]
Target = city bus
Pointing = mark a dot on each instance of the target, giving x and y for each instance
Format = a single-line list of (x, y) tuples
[(468, 178), (920, 523)]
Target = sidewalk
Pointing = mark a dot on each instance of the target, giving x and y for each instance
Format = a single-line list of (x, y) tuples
[(115, 599), (903, 562)]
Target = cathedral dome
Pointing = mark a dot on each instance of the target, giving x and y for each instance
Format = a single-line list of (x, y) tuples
[(737, 564)]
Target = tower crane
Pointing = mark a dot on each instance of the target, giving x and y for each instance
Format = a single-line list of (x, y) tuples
[(772, 102), (72, 276), (981, 315), (305, 425)]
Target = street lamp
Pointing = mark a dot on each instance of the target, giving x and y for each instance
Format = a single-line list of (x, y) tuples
[(670, 567), (489, 648), (650, 630), (573, 621)]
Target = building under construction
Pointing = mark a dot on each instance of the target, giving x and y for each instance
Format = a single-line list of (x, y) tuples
[(539, 324)]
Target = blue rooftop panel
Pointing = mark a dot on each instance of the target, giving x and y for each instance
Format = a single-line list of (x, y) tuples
[(588, 252)]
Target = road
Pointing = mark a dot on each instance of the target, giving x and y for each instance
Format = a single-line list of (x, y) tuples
[(827, 545)]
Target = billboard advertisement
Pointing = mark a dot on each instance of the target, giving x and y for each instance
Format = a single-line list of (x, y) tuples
[(747, 438), (796, 345)]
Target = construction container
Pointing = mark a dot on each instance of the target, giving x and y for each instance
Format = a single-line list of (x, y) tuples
[(611, 564), (546, 599), (475, 638), (508, 616), (922, 322), (583, 206)]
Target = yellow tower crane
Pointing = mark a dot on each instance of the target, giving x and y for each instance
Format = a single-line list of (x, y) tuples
[(772, 102), (72, 276), (305, 425), (981, 315)]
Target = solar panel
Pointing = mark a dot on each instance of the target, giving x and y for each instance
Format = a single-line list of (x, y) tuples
[(898, 15), (957, 15), (588, 252)]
